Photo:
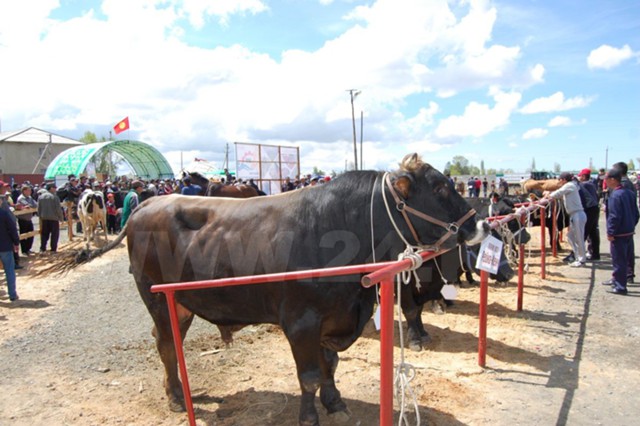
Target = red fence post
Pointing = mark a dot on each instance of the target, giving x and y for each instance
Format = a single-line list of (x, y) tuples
[(482, 318), (543, 242), (554, 230), (177, 343), (386, 352), (520, 268)]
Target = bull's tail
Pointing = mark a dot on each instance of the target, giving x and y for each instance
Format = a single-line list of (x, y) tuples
[(86, 255)]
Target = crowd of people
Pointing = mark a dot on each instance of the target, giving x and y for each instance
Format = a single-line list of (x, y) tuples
[(581, 196), (21, 202), (474, 185), (302, 181), (581, 199)]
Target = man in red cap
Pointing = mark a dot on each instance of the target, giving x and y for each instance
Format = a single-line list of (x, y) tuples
[(592, 210)]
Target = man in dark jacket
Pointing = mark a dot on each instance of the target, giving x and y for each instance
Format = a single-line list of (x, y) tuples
[(50, 214), (622, 218), (9, 243), (592, 210), (626, 183)]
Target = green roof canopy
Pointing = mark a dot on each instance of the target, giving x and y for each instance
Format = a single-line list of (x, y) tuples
[(146, 161)]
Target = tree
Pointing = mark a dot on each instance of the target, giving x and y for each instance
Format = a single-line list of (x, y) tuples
[(317, 171), (460, 166), (631, 165), (89, 137)]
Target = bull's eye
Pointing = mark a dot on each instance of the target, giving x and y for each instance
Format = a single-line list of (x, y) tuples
[(441, 190)]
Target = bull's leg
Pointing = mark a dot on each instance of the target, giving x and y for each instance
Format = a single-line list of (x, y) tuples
[(469, 277), (164, 343), (425, 337), (84, 228), (329, 394), (305, 346), (414, 327)]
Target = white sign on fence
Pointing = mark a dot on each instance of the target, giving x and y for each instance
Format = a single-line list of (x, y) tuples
[(489, 256)]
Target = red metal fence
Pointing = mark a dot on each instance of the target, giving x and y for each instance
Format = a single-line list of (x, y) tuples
[(379, 273)]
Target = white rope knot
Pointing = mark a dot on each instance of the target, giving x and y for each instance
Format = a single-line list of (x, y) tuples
[(414, 256), (416, 261)]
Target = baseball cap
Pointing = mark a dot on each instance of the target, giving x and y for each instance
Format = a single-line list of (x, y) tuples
[(585, 172)]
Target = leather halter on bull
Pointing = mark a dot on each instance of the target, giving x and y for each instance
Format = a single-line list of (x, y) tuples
[(452, 228)]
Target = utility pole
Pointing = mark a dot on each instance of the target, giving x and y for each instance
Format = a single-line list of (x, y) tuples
[(606, 158), (361, 133), (44, 151), (354, 94), (225, 165)]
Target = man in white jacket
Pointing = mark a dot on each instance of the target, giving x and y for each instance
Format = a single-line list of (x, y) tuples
[(569, 191)]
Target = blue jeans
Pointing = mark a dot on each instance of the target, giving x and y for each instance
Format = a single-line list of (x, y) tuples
[(10, 272)]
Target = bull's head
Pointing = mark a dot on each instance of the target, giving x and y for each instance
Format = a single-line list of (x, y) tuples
[(428, 209)]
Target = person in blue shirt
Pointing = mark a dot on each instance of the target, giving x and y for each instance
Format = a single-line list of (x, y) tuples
[(622, 218), (189, 188)]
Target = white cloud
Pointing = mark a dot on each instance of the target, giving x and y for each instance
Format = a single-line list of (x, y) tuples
[(480, 119), (513, 145), (535, 133), (562, 121), (559, 120), (555, 102), (92, 70), (608, 57), (537, 73)]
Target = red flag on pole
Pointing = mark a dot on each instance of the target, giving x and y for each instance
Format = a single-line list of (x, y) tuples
[(122, 125)]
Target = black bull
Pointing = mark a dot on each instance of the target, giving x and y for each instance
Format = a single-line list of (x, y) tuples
[(176, 239)]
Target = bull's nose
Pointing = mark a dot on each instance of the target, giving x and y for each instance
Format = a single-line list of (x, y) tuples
[(485, 227), (482, 230)]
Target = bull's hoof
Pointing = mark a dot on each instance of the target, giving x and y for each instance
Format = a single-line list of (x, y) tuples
[(437, 308), (176, 407), (341, 417), (311, 422), (426, 339), (415, 346)]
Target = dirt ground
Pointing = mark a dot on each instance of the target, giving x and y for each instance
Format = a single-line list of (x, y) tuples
[(77, 350)]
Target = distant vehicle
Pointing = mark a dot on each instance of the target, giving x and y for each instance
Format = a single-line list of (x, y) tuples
[(542, 175), (515, 180)]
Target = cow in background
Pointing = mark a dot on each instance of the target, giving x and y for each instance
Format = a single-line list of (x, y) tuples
[(92, 210)]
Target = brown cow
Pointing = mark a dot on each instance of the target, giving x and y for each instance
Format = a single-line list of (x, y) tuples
[(531, 185)]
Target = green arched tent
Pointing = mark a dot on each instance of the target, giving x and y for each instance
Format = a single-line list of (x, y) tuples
[(146, 161)]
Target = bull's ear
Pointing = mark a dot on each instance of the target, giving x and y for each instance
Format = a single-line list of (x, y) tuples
[(402, 184)]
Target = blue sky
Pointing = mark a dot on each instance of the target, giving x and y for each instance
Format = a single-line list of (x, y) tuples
[(503, 82)]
